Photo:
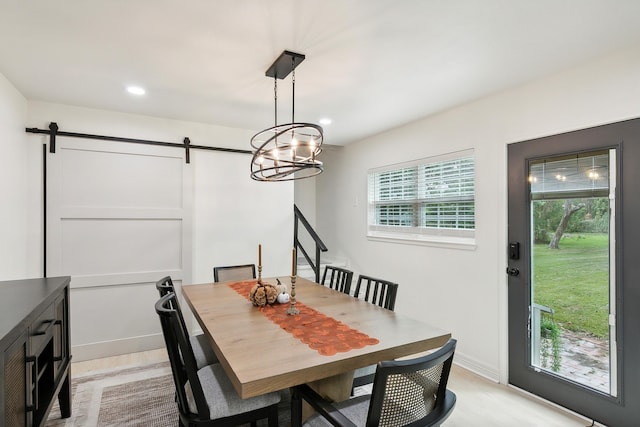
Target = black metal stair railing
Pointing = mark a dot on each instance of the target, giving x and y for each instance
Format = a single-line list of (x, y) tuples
[(320, 246)]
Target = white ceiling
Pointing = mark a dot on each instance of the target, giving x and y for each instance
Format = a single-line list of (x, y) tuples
[(370, 64)]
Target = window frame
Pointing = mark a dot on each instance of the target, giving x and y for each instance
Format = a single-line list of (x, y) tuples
[(463, 238)]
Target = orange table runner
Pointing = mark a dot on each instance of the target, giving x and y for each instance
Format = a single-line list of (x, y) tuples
[(320, 332)]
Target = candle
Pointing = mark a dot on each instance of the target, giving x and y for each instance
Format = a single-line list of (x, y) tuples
[(293, 261), (259, 254)]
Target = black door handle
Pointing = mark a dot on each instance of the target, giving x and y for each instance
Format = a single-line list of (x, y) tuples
[(513, 271)]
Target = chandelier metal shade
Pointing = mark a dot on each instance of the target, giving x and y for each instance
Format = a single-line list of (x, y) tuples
[(289, 151)]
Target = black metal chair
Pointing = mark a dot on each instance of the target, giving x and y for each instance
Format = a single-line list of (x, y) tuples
[(205, 396), (383, 294), (339, 278), (201, 347), (234, 272), (405, 393)]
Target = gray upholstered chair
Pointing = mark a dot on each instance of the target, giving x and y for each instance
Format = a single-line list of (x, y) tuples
[(234, 272), (405, 393), (201, 347), (339, 278), (205, 396)]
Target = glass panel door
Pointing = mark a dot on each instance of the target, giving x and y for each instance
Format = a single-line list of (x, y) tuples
[(572, 233), (574, 271)]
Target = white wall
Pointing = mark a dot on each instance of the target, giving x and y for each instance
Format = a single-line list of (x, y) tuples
[(464, 291), (14, 183), (231, 215), (305, 200)]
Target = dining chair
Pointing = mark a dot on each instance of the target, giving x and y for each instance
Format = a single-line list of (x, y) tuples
[(234, 272), (407, 392), (205, 396), (377, 291), (339, 278), (383, 294), (201, 347)]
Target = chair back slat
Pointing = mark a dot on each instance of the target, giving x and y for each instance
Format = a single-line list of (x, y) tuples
[(411, 391), (377, 291), (164, 287), (339, 279), (181, 357), (234, 272)]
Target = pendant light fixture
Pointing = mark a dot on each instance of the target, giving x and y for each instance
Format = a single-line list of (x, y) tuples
[(287, 151)]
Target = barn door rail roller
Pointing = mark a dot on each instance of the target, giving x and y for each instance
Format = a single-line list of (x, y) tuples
[(186, 145)]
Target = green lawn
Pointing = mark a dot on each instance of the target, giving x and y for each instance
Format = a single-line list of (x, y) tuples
[(574, 281)]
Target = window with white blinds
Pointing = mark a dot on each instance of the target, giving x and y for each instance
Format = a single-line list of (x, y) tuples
[(428, 199)]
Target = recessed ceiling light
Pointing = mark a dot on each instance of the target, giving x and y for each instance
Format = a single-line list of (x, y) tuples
[(325, 121), (136, 90)]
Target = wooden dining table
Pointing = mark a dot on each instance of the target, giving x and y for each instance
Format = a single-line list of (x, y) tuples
[(259, 356)]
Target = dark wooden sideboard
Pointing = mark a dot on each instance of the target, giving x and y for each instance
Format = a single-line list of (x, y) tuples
[(34, 350)]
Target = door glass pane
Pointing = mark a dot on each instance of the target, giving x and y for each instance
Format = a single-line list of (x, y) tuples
[(570, 278)]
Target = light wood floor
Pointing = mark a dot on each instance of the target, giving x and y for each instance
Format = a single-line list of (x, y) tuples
[(484, 403), (480, 402)]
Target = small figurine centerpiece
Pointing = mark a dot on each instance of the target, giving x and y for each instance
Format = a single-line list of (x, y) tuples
[(262, 294), (283, 296)]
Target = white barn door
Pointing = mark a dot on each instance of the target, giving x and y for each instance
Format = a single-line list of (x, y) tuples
[(118, 219)]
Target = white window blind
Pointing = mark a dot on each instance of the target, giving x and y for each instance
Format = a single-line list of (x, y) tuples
[(579, 175), (433, 197)]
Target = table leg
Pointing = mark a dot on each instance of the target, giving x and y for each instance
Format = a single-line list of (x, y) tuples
[(334, 389)]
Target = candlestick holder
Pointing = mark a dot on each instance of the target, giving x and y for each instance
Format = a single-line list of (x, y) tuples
[(259, 273), (292, 310)]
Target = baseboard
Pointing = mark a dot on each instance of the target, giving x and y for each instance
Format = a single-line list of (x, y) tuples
[(99, 350), (474, 365)]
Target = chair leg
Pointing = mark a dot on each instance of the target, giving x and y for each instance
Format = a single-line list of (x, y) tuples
[(273, 416), (296, 408)]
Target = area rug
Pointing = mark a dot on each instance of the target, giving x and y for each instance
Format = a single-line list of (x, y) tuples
[(130, 396)]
